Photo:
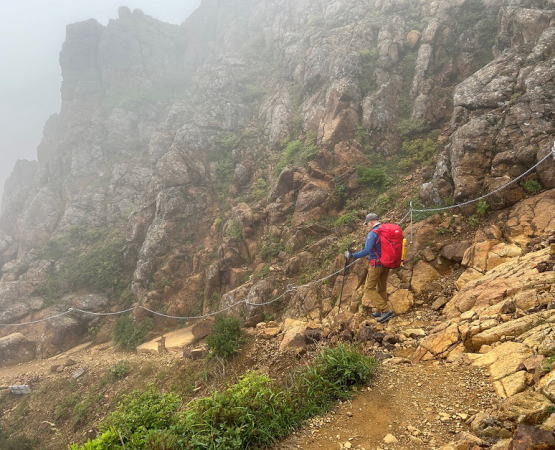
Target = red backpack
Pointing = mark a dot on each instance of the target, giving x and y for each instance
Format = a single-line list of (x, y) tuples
[(391, 242)]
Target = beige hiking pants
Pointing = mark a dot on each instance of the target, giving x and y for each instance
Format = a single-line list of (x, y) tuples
[(375, 289)]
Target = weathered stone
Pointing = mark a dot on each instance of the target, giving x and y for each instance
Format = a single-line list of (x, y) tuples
[(488, 427), (511, 384), (438, 344), (528, 437), (526, 407), (390, 439), (549, 424), (294, 337), (313, 335), (476, 256), (413, 36), (468, 275), (504, 360), (532, 218), (298, 263), (515, 279), (401, 301), (455, 252), (512, 328), (547, 385), (16, 348), (501, 253), (422, 275), (198, 353), (439, 303), (269, 333)]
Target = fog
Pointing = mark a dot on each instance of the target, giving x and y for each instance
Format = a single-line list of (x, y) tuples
[(32, 35)]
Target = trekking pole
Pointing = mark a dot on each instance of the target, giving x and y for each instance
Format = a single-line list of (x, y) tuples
[(344, 277)]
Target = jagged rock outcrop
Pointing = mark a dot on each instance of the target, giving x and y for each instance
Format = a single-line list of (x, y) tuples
[(502, 120), (171, 137)]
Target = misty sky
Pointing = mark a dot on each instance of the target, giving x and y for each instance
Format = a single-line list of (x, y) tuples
[(32, 33)]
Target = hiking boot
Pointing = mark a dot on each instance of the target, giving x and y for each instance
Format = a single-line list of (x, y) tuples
[(386, 316)]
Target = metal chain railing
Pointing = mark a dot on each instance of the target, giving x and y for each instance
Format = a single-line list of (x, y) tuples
[(290, 288)]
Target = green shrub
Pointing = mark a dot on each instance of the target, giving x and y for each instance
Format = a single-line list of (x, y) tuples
[(297, 152), (259, 189), (65, 406), (271, 250), (128, 334), (148, 410), (119, 370), (17, 442), (234, 230), (341, 191), (482, 208), (229, 141), (225, 339), (473, 220), (347, 219), (329, 378), (367, 79), (418, 152), (409, 127), (252, 413), (375, 177), (82, 409), (91, 260), (531, 186)]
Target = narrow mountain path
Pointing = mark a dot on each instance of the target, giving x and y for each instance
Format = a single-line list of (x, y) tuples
[(422, 406)]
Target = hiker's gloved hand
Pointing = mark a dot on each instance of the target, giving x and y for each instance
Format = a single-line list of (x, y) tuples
[(347, 254)]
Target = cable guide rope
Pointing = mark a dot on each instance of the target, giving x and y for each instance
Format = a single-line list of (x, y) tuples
[(290, 288)]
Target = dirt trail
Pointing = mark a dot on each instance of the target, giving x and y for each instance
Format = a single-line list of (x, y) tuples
[(423, 406)]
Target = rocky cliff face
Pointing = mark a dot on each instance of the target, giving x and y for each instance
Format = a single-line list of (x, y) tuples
[(204, 152)]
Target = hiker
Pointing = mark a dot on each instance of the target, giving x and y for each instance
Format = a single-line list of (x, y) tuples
[(375, 288)]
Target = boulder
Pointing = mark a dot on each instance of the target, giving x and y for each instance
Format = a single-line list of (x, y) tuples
[(202, 328), (526, 407), (15, 348), (298, 263), (501, 253), (529, 437), (532, 218), (439, 344), (516, 279), (422, 275), (455, 252), (294, 337), (476, 256), (547, 385), (549, 424), (401, 301), (504, 360), (311, 203), (511, 384), (512, 328), (488, 427), (413, 37), (468, 275)]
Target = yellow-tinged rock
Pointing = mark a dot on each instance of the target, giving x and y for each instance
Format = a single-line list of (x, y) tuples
[(413, 37), (511, 385), (468, 275), (401, 301), (422, 275)]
